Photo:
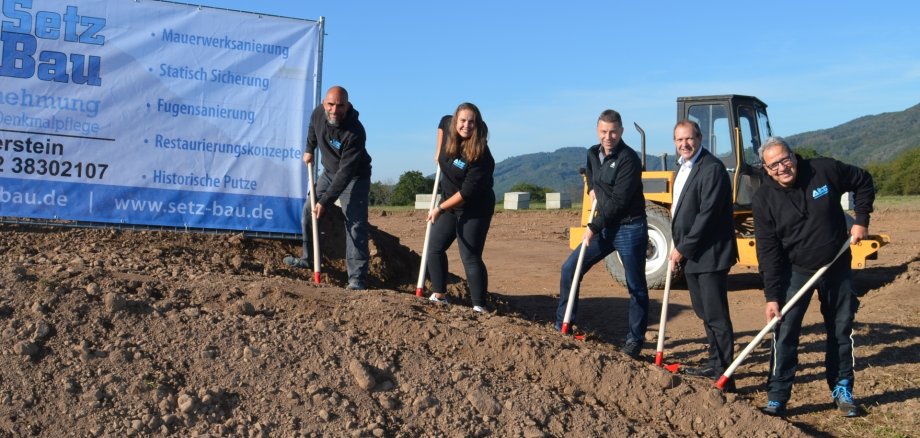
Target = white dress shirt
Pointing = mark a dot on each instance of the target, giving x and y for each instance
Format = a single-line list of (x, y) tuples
[(682, 174)]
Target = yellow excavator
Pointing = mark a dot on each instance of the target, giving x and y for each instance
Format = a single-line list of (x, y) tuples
[(733, 126)]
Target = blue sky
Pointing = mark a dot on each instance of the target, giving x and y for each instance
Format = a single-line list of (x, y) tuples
[(541, 72)]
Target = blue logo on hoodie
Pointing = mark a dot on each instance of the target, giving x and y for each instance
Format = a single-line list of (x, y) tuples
[(460, 164), (819, 192), (336, 143)]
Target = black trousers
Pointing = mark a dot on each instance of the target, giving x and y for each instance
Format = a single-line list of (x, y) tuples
[(709, 296), (471, 233), (838, 308)]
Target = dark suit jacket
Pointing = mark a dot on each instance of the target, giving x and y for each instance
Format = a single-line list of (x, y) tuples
[(702, 226)]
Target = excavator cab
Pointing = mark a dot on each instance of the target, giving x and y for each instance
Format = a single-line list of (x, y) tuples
[(733, 128)]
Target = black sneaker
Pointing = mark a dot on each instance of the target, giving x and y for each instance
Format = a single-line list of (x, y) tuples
[(632, 348), (774, 408), (706, 371), (843, 397), (297, 262)]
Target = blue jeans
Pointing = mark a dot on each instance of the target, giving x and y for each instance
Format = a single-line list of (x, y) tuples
[(354, 200), (630, 241)]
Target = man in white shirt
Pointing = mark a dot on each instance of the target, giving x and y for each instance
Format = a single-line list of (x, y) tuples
[(704, 242)]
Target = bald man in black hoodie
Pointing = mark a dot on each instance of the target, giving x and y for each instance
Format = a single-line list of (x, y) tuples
[(336, 130)]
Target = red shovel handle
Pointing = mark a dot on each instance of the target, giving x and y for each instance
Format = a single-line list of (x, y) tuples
[(721, 382), (316, 277), (418, 291), (659, 358)]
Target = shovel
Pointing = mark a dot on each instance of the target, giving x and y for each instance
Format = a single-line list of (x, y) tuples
[(776, 319), (581, 259), (659, 351), (420, 286), (316, 256)]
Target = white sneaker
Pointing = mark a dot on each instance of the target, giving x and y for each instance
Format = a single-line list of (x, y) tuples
[(479, 309), (434, 298)]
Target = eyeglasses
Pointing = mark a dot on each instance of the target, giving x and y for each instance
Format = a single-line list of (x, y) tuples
[(785, 162)]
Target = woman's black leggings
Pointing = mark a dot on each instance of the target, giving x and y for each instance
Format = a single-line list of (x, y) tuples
[(471, 232)]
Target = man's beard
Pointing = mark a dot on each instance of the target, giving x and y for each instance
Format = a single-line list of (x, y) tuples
[(332, 122)]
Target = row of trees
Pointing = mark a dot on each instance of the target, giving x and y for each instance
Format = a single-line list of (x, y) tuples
[(403, 192), (413, 182), (900, 176)]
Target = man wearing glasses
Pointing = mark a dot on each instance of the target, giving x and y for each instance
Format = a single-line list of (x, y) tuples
[(799, 226)]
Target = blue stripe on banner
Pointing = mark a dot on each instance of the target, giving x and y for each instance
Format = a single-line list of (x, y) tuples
[(132, 205)]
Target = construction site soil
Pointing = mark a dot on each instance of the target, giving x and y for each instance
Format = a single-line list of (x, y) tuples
[(114, 333)]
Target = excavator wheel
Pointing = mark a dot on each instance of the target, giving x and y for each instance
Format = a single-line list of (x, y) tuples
[(656, 260)]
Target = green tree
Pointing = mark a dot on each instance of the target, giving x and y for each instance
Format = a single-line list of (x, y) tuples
[(380, 193), (410, 184), (537, 193), (900, 176), (880, 173), (807, 153)]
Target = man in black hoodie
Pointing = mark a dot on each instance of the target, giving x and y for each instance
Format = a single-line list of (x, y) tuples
[(335, 129), (799, 227), (614, 178)]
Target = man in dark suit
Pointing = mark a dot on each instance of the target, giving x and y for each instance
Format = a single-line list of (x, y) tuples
[(704, 241)]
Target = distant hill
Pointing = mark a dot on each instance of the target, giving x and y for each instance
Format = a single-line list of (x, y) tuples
[(868, 139), (861, 141), (557, 170)]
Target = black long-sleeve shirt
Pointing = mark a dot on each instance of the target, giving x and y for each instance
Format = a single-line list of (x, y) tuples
[(472, 180), (617, 185), (342, 148), (802, 227)]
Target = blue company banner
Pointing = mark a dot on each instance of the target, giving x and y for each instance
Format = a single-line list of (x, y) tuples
[(155, 113)]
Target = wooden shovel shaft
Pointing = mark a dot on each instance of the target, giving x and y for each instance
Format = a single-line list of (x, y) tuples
[(316, 256), (420, 286), (776, 319), (581, 259)]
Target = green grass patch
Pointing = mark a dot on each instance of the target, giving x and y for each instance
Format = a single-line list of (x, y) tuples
[(898, 202)]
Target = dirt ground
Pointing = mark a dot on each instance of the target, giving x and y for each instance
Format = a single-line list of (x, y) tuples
[(136, 333), (525, 250)]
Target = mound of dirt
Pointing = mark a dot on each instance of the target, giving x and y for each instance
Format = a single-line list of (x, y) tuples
[(132, 333), (393, 266)]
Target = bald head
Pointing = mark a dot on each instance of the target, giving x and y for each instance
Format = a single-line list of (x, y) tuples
[(336, 105), (338, 91)]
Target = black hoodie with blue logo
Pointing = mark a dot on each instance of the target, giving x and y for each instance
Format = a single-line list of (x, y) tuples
[(473, 180), (343, 151), (802, 227)]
